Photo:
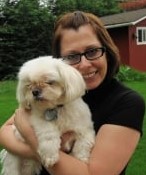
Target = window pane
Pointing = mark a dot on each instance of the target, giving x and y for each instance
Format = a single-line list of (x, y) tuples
[(144, 35), (139, 35)]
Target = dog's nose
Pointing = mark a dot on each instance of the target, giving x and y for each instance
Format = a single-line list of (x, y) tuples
[(36, 92)]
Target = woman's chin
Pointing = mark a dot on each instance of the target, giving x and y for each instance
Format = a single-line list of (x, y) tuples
[(93, 85)]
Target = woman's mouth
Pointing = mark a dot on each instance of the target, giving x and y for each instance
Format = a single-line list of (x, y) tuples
[(89, 75)]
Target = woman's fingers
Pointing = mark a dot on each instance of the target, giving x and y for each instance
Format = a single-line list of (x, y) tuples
[(22, 123), (67, 141)]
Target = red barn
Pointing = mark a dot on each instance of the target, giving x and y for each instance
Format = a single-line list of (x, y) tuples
[(128, 30)]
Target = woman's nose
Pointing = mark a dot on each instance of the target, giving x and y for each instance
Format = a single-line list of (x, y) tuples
[(85, 61)]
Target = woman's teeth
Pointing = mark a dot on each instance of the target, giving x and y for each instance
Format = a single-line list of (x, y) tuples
[(89, 75)]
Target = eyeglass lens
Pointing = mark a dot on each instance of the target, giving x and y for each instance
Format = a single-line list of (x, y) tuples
[(90, 54)]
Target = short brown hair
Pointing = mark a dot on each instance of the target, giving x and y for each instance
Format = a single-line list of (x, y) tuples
[(76, 19)]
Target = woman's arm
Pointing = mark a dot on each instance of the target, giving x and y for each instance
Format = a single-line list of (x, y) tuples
[(113, 149), (9, 141)]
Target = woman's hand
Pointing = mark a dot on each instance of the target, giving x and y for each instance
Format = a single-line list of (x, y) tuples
[(67, 141), (22, 123)]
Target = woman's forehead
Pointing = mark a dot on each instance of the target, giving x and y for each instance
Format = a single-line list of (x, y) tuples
[(74, 39)]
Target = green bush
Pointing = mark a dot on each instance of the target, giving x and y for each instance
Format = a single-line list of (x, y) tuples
[(129, 74)]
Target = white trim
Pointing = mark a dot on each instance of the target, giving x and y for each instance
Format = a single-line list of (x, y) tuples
[(118, 25), (143, 30), (139, 20)]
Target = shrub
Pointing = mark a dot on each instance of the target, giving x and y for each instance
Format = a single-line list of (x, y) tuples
[(127, 73)]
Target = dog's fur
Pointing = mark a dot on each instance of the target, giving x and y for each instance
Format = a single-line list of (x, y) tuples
[(52, 90)]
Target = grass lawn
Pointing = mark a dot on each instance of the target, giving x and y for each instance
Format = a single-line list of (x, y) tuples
[(8, 104), (137, 165), (8, 101)]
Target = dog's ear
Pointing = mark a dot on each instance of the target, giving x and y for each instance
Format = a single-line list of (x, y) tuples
[(21, 97), (72, 79)]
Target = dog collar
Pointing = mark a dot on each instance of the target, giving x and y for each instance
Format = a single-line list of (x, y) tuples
[(52, 114)]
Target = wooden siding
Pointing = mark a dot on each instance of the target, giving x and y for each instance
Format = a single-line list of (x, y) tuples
[(120, 37), (137, 57), (131, 54)]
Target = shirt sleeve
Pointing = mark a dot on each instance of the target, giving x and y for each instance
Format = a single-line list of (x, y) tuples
[(128, 110)]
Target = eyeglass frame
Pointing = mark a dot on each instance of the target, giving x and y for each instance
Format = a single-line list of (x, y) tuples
[(103, 50)]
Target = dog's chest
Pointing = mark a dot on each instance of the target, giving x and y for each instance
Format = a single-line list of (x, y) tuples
[(66, 121), (63, 119)]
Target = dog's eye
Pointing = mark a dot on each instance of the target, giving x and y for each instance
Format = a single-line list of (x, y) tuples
[(28, 85), (51, 82)]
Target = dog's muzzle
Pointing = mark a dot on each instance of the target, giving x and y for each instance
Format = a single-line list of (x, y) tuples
[(37, 94)]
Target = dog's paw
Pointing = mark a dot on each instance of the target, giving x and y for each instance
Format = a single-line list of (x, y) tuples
[(50, 161), (81, 154), (84, 159)]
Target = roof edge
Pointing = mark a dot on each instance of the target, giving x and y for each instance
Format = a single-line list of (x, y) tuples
[(125, 24), (118, 25), (139, 20)]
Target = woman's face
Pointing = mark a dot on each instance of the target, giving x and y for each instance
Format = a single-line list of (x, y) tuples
[(79, 41)]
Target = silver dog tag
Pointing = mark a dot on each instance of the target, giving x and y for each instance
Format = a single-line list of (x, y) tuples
[(51, 114)]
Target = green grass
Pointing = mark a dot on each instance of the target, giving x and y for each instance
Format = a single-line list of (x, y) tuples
[(137, 164), (8, 101), (8, 104)]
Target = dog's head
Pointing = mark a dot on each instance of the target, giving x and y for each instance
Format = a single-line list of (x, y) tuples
[(48, 82)]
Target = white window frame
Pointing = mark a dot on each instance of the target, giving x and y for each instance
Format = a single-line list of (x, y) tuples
[(141, 35)]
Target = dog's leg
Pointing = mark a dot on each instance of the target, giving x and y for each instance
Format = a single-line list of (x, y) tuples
[(49, 145), (10, 164), (49, 151), (83, 145), (14, 165), (30, 167)]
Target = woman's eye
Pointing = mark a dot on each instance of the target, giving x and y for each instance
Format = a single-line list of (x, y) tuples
[(73, 57), (92, 52)]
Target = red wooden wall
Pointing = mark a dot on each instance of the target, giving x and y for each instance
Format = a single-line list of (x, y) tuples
[(131, 54)]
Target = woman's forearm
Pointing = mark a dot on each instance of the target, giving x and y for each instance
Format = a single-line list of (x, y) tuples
[(12, 144), (68, 165)]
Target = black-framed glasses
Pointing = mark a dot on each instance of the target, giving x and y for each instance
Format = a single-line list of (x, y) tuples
[(90, 54)]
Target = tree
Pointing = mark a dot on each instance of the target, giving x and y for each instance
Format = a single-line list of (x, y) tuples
[(97, 7), (106, 7), (25, 33)]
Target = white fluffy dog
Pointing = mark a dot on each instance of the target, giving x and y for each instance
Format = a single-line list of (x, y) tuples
[(52, 90)]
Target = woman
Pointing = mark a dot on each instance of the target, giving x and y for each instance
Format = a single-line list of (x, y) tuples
[(117, 111)]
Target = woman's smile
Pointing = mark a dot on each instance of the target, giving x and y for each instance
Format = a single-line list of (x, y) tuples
[(89, 75)]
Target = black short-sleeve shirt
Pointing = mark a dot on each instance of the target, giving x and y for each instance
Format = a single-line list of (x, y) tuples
[(114, 103)]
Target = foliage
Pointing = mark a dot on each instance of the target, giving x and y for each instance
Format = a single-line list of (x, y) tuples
[(25, 33), (63, 6), (106, 7), (26, 28), (100, 7), (129, 74)]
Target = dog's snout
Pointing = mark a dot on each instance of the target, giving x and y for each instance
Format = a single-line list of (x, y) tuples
[(36, 92)]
